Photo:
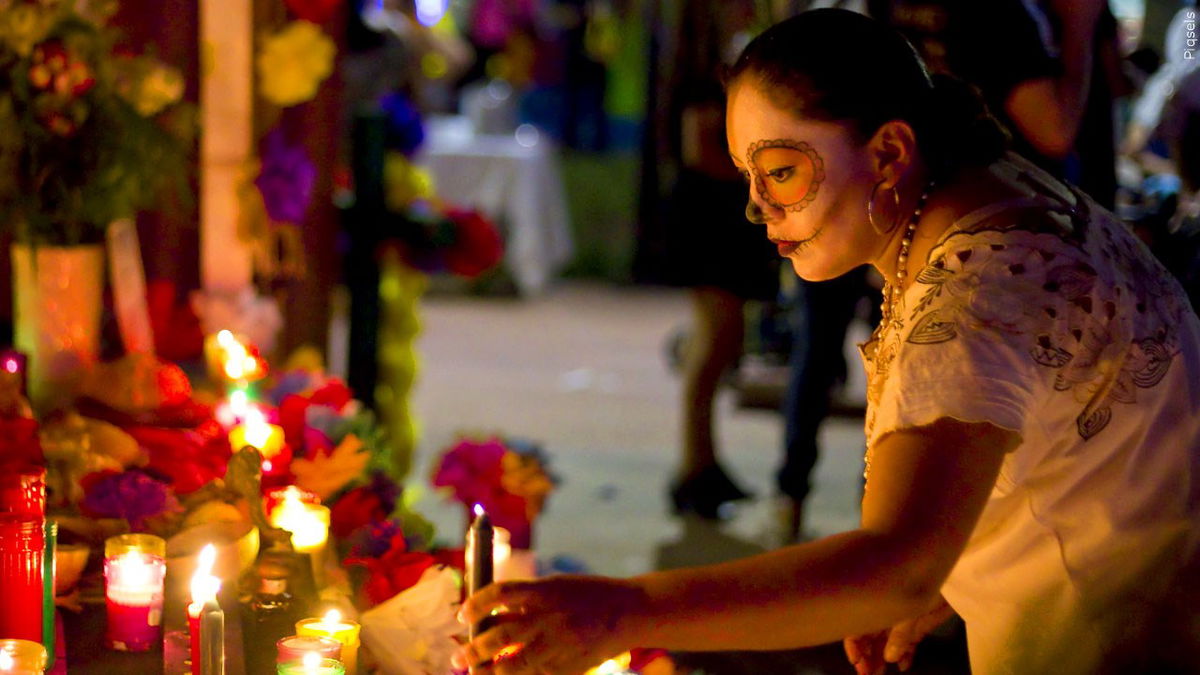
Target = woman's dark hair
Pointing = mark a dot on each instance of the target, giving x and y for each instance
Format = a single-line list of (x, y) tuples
[(840, 66)]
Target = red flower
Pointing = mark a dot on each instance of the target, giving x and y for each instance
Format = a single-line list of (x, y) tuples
[(358, 507), (316, 11), (477, 247), (292, 412), (392, 573), (191, 458), (333, 393)]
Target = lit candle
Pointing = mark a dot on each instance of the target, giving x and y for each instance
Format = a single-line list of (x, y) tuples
[(22, 657), (311, 664), (294, 648), (134, 567), (229, 359), (275, 496), (615, 666), (256, 432), (309, 525), (480, 561), (332, 625), (234, 409), (206, 644)]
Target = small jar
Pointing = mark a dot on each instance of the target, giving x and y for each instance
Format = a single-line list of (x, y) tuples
[(24, 657)]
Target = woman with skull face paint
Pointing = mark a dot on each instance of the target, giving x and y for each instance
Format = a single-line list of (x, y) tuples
[(1033, 423)]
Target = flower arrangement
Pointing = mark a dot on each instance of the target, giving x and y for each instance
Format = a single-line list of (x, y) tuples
[(89, 132), (431, 236), (509, 478)]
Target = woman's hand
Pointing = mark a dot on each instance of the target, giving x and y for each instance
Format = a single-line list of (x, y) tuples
[(563, 624), (871, 653)]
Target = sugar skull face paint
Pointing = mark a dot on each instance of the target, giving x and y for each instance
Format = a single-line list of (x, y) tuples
[(787, 173)]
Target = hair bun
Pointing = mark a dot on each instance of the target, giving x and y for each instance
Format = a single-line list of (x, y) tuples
[(956, 126)]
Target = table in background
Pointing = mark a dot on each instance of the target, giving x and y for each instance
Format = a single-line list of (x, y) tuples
[(513, 179)]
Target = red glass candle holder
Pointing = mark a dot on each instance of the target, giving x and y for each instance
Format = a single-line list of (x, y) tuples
[(23, 491), (22, 542)]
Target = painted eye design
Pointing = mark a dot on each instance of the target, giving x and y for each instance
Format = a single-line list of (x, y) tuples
[(787, 173)]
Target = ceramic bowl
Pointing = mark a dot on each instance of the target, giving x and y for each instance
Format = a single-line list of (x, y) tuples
[(69, 563), (237, 548)]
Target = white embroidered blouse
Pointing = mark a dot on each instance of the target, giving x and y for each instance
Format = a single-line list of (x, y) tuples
[(1047, 317)]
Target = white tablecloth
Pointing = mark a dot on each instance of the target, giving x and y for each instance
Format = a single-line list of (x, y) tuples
[(516, 184)]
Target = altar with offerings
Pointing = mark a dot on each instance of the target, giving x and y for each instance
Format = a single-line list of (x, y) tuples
[(248, 528)]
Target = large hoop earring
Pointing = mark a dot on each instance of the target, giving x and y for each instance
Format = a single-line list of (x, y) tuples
[(871, 209)]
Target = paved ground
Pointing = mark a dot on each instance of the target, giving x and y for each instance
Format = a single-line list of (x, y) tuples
[(582, 370)]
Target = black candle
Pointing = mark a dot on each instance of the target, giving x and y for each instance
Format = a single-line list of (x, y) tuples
[(479, 544)]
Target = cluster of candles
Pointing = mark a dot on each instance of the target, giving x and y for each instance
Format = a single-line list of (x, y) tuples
[(235, 364), (134, 571)]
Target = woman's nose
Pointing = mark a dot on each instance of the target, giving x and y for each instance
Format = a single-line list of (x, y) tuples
[(754, 213)]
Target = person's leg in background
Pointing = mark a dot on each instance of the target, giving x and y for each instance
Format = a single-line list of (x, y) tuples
[(821, 314), (713, 348)]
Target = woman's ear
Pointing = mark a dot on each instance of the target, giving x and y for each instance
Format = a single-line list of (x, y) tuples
[(892, 150)]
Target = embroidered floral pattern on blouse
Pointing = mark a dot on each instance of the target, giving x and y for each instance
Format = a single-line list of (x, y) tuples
[(1023, 283)]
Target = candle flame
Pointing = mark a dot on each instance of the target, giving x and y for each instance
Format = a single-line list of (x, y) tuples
[(238, 399), (204, 585), (478, 510), (208, 558), (311, 660), (226, 339), (134, 570), (332, 616), (10, 365)]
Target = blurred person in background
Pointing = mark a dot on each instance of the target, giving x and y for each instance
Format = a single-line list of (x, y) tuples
[(1050, 76)]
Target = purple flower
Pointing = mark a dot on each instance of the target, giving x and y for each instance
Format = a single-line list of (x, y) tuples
[(132, 495), (373, 541), (286, 179), (291, 382)]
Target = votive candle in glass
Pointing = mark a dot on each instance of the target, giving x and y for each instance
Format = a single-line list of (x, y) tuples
[(332, 625), (309, 525), (294, 647), (134, 568), (22, 657), (22, 542), (311, 666)]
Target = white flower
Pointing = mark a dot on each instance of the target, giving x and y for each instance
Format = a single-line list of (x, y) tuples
[(413, 632)]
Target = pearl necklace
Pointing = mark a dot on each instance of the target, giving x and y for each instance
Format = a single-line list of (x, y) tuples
[(893, 290)]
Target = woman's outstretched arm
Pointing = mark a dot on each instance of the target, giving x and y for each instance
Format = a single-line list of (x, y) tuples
[(928, 486)]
